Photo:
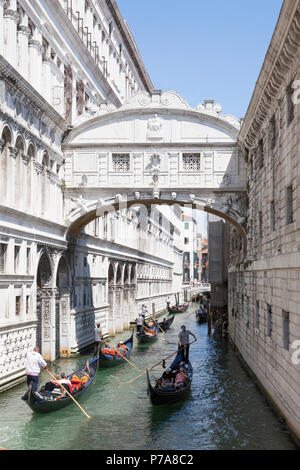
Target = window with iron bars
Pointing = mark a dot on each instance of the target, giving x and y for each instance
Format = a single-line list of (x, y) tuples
[(191, 162), (121, 162)]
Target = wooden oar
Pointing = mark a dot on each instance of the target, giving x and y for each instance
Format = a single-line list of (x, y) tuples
[(162, 339), (155, 365), (123, 356), (53, 377)]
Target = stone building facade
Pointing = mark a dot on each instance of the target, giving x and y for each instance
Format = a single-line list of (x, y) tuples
[(61, 63), (81, 128), (264, 270)]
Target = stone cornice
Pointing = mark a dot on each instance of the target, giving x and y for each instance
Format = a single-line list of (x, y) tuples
[(277, 63), (87, 60), (130, 44), (22, 86)]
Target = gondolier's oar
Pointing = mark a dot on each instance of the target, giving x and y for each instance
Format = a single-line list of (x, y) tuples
[(163, 339), (155, 365), (114, 349), (53, 377)]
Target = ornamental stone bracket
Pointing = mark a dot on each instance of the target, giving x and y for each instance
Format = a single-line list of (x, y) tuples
[(231, 206)]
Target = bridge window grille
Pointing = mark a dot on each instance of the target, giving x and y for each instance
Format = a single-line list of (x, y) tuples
[(121, 162), (191, 162)]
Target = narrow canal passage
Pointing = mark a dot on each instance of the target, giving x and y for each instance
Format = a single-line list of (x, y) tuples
[(224, 411)]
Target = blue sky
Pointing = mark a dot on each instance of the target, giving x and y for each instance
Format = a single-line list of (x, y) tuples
[(211, 49)]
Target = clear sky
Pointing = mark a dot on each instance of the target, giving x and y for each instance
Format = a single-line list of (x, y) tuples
[(204, 49)]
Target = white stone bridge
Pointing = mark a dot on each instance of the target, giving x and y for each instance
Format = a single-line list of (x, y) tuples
[(156, 149)]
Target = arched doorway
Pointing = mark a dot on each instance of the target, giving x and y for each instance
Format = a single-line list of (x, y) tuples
[(62, 310), (111, 298), (6, 142), (44, 296)]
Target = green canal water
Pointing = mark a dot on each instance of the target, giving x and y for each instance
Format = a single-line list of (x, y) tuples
[(225, 410)]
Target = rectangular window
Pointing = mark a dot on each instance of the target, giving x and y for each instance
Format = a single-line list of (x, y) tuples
[(186, 226), (191, 162), (289, 205), (16, 257), (110, 28), (273, 133), (272, 216), (257, 314), (27, 304), (18, 305), (28, 253), (286, 330), (3, 249), (290, 110), (260, 225), (85, 261), (121, 162), (269, 321), (186, 241), (105, 225), (260, 154)]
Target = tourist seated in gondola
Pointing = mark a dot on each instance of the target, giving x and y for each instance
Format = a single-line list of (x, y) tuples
[(166, 380), (121, 348), (181, 378), (109, 351)]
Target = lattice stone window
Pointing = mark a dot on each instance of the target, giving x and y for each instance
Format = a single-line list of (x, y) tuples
[(121, 162), (191, 162)]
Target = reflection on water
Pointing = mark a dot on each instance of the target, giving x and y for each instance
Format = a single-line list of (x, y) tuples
[(224, 411)]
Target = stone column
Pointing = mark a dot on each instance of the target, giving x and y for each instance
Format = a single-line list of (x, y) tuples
[(111, 310), (35, 60), (1, 27), (126, 311), (48, 323), (46, 72), (10, 20), (23, 33)]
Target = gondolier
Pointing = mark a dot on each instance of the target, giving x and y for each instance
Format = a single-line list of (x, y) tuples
[(98, 338), (184, 343), (34, 363), (140, 324)]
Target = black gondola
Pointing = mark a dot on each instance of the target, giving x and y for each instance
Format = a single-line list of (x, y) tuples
[(201, 316), (44, 401), (158, 396), (107, 360), (164, 325), (147, 335), (179, 309)]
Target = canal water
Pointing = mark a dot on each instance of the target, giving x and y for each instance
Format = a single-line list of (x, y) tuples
[(225, 410)]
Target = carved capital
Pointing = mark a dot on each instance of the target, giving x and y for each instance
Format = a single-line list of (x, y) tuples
[(13, 152), (38, 168), (2, 142), (25, 159), (24, 30), (11, 14)]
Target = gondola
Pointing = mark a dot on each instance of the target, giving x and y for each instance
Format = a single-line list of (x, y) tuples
[(44, 401), (169, 396), (107, 360), (164, 325), (201, 316), (147, 337), (175, 309)]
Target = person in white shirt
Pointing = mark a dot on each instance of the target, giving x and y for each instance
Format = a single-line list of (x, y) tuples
[(139, 324), (144, 311), (34, 364), (98, 338)]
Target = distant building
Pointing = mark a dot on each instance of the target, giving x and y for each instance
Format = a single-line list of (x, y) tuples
[(190, 254)]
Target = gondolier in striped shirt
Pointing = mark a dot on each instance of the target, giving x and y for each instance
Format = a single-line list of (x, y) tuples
[(184, 343)]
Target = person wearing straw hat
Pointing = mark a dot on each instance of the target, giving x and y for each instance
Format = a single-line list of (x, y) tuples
[(184, 343)]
